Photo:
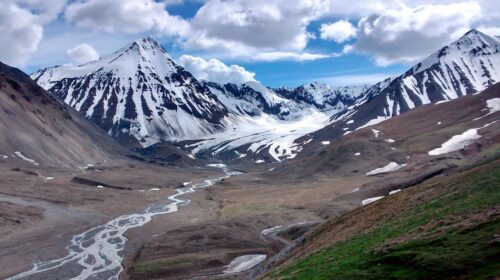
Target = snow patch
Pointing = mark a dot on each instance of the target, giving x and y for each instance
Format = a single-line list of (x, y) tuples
[(218, 165), (390, 140), (457, 142), (392, 166), (326, 143), (376, 132), (441, 101), (493, 105), (154, 189), (243, 263), (370, 200), (21, 156), (259, 161), (375, 121), (394, 191), (357, 154), (350, 122)]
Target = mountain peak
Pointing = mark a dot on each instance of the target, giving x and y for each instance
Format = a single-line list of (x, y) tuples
[(146, 44), (475, 36)]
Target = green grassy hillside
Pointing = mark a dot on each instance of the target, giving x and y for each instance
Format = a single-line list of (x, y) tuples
[(445, 229)]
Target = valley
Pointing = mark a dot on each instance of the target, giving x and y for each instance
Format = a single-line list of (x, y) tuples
[(129, 167)]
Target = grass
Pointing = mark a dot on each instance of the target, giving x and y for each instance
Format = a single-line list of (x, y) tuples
[(435, 247)]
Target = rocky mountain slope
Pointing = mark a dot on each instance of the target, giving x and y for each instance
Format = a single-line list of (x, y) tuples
[(402, 139), (137, 94), (466, 66), (38, 130)]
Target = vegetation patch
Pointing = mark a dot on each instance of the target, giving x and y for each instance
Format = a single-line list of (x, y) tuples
[(454, 234)]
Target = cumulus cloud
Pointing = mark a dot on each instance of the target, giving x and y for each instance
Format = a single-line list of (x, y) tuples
[(21, 27), (131, 16), (408, 34), (83, 53), (215, 70), (245, 28), (339, 31), (492, 31), (296, 56)]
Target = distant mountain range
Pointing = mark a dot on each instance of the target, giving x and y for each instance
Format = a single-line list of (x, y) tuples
[(142, 97)]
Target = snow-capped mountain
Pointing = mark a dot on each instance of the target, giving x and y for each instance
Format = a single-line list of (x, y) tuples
[(254, 99), (262, 123), (322, 96), (138, 93), (141, 96), (466, 66)]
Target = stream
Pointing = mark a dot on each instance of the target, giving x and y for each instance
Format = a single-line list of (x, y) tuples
[(97, 253)]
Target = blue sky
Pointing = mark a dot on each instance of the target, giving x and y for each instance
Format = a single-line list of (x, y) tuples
[(338, 42)]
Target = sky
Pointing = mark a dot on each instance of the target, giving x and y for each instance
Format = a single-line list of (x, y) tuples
[(276, 42)]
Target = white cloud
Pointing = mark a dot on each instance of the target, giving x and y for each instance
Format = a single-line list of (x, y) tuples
[(21, 27), (358, 9), (492, 31), (215, 70), (409, 34), (243, 28), (131, 16), (339, 31), (83, 53), (296, 56), (19, 34)]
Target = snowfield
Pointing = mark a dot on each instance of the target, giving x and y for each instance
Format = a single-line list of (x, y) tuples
[(457, 142), (265, 133)]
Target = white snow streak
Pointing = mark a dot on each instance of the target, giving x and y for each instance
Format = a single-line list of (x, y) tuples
[(370, 200), (393, 166), (21, 156), (243, 263)]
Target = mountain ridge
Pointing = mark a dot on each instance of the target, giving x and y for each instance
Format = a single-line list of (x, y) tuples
[(219, 116)]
